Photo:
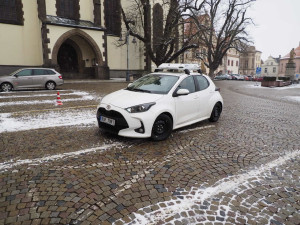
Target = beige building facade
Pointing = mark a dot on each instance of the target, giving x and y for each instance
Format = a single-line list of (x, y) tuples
[(230, 63), (250, 59), (78, 38)]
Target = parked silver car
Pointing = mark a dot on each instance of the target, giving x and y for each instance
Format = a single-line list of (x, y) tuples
[(31, 78)]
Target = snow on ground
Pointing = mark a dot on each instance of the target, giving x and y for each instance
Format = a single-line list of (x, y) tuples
[(83, 117), (293, 98), (12, 163), (84, 96), (170, 211), (258, 85), (11, 122), (77, 93)]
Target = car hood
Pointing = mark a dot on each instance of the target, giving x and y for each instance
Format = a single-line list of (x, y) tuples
[(6, 77), (125, 98)]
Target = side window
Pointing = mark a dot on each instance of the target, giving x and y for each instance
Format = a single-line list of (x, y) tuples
[(188, 83), (202, 82), (39, 72), (24, 73)]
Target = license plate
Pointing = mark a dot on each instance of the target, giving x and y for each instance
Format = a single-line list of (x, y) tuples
[(107, 120)]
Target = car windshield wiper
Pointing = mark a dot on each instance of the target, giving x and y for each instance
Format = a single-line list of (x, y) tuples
[(140, 90), (137, 90)]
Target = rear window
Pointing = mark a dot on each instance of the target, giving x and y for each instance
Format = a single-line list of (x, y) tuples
[(202, 82), (50, 72)]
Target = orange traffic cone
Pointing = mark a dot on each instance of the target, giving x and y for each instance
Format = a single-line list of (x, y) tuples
[(58, 101)]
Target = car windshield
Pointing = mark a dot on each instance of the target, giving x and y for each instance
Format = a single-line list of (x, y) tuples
[(154, 83)]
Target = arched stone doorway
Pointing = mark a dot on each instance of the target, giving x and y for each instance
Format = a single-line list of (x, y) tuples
[(67, 59), (78, 56)]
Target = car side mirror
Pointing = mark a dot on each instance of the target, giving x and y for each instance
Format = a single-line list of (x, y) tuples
[(129, 84), (16, 75), (182, 92)]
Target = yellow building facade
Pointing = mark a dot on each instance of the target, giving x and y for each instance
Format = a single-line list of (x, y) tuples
[(79, 38)]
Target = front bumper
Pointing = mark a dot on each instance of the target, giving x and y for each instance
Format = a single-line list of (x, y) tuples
[(126, 124)]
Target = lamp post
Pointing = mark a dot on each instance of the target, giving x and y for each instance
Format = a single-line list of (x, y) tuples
[(127, 52)]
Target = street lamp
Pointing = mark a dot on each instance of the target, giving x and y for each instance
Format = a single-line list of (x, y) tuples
[(127, 43)]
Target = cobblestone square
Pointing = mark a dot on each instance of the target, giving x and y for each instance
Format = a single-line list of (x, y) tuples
[(56, 167)]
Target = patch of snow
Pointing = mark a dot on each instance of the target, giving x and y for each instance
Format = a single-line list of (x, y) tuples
[(78, 93), (197, 128), (9, 123), (10, 164), (258, 85), (199, 195), (293, 98)]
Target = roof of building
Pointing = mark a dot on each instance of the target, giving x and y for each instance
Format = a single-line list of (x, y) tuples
[(55, 20)]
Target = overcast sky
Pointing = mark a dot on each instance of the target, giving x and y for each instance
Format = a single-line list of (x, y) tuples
[(277, 28)]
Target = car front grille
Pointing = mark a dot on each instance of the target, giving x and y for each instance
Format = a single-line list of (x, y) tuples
[(120, 124)]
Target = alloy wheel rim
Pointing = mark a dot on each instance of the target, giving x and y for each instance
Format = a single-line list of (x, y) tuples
[(160, 127), (6, 87)]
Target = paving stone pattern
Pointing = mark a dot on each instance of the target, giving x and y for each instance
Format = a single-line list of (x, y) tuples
[(208, 173)]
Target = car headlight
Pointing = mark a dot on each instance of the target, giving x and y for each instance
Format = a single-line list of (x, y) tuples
[(140, 108)]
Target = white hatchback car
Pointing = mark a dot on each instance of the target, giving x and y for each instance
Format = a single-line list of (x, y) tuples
[(160, 102)]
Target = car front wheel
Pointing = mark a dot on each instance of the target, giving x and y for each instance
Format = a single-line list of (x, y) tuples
[(50, 85), (162, 128), (216, 113), (6, 87)]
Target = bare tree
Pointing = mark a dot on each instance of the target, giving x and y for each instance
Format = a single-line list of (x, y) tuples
[(165, 43), (220, 26)]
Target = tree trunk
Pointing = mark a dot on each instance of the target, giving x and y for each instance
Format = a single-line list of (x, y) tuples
[(211, 73)]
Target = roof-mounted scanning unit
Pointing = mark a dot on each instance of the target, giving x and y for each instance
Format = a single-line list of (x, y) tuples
[(187, 68)]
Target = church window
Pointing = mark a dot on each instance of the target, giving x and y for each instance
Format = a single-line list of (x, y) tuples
[(112, 9), (68, 9), (11, 12)]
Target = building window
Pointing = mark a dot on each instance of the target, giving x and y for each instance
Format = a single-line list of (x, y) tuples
[(68, 9), (266, 70), (237, 63), (228, 62), (274, 69), (112, 9), (11, 12), (231, 62)]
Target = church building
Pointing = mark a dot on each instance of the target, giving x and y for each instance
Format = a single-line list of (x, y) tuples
[(79, 38)]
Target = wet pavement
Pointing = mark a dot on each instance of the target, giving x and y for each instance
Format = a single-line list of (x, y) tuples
[(56, 167)]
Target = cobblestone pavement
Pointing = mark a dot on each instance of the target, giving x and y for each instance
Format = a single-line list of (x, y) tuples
[(56, 167)]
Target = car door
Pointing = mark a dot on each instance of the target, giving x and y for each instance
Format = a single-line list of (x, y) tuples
[(186, 106), (204, 95), (23, 78), (39, 77)]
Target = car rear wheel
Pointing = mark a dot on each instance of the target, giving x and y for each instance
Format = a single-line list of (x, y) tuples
[(50, 85), (216, 113), (6, 87), (162, 128)]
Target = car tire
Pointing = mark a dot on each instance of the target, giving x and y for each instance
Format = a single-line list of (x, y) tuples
[(216, 113), (50, 85), (162, 128), (6, 87)]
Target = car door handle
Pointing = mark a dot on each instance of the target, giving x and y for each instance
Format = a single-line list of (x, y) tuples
[(195, 97)]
